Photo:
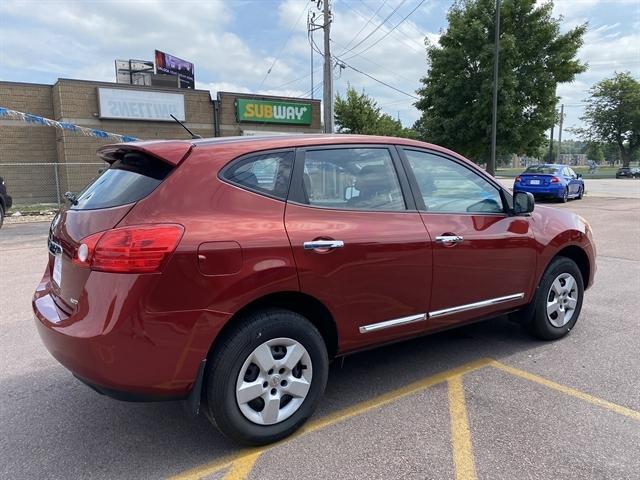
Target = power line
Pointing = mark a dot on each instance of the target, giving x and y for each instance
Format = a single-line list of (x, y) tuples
[(378, 65), (389, 32), (293, 27), (403, 34), (375, 29), (376, 80), (374, 15)]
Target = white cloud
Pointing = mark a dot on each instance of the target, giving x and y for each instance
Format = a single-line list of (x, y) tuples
[(71, 38)]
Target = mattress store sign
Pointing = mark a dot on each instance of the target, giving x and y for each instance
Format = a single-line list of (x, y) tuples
[(118, 103), (273, 112)]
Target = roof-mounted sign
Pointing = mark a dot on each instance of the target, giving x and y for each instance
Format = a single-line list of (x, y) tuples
[(118, 103)]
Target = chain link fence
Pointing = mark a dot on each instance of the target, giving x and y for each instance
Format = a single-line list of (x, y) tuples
[(32, 184)]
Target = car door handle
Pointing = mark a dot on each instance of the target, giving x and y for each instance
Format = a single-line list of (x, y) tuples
[(323, 244), (449, 239)]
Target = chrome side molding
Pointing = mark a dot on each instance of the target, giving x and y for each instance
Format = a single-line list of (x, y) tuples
[(396, 322), (472, 306)]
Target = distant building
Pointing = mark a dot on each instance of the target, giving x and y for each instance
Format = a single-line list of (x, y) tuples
[(60, 160)]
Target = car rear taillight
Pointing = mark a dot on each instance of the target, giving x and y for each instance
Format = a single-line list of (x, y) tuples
[(518, 178), (138, 249), (554, 180)]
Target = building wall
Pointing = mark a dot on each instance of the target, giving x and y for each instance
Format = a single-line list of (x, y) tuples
[(75, 101), (40, 163), (22, 145), (229, 125)]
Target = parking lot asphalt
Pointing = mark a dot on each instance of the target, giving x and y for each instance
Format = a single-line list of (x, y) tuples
[(482, 401)]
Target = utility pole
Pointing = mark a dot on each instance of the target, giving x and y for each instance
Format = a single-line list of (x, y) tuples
[(560, 133), (491, 166), (551, 144), (327, 97)]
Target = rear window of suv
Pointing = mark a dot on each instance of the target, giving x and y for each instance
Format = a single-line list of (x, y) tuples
[(127, 180)]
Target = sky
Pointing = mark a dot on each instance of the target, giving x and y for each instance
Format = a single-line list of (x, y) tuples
[(261, 46)]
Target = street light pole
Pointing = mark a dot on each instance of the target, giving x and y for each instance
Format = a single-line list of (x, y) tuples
[(491, 166), (560, 133), (327, 98)]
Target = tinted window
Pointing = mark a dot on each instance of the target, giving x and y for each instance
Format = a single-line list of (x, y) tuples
[(269, 173), (352, 179), (448, 187), (541, 169), (126, 181)]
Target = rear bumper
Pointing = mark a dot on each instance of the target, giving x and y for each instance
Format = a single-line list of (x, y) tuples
[(542, 190), (120, 349)]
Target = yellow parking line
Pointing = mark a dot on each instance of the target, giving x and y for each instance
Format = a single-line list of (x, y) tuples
[(241, 468), (344, 414), (568, 390), (463, 461)]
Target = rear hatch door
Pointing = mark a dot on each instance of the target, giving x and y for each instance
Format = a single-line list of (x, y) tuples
[(132, 174)]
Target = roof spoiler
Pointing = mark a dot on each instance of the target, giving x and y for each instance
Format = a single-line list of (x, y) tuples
[(171, 151)]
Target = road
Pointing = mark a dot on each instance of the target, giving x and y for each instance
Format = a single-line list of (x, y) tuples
[(482, 401)]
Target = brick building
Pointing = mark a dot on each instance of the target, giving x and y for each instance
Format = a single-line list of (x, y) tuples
[(39, 163)]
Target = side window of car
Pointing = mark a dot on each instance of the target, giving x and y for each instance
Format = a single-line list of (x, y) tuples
[(269, 173), (352, 179), (449, 187)]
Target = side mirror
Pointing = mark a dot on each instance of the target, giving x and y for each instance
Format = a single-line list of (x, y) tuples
[(523, 202), (579, 175)]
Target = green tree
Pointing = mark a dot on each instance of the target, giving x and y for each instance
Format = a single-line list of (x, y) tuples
[(456, 97), (358, 113), (595, 152), (613, 114)]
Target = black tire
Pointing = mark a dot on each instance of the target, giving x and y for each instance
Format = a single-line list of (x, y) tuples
[(1, 215), (580, 193), (228, 358), (540, 324), (565, 196)]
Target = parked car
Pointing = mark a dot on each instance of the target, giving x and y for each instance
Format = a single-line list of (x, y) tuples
[(627, 172), (5, 201), (228, 272), (550, 181)]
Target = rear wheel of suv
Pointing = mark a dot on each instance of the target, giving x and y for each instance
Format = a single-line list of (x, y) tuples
[(558, 301), (266, 377)]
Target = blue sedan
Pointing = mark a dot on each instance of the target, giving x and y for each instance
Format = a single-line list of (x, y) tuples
[(550, 181)]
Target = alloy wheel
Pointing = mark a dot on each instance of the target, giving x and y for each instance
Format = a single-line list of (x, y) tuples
[(562, 299), (274, 381)]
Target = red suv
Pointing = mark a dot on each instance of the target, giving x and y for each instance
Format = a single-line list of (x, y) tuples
[(230, 271)]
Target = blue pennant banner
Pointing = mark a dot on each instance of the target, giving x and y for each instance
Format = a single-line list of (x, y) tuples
[(89, 132)]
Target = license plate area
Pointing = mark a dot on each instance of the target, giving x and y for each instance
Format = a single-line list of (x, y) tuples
[(535, 182)]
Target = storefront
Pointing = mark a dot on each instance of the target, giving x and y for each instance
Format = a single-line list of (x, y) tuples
[(248, 114), (40, 162)]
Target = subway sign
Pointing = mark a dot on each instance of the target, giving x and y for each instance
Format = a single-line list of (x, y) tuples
[(268, 111)]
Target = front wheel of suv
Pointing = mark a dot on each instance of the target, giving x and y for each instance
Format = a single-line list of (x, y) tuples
[(266, 377), (558, 300)]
